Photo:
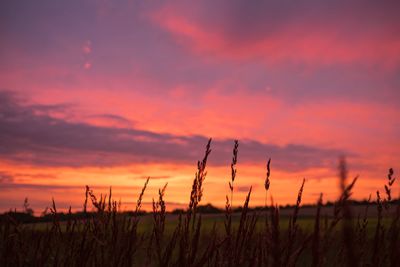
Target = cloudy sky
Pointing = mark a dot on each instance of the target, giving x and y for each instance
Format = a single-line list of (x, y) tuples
[(106, 93)]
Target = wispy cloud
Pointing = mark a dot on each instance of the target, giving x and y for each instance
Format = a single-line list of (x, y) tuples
[(299, 33), (40, 139), (6, 178)]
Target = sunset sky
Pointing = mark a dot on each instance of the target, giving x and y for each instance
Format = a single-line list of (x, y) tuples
[(106, 93)]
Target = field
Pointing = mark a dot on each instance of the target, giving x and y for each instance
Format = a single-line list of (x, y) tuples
[(339, 235)]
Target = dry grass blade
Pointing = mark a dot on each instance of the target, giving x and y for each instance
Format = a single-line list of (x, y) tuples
[(140, 198), (267, 182), (347, 227), (388, 188), (229, 202), (293, 227), (316, 249), (378, 230)]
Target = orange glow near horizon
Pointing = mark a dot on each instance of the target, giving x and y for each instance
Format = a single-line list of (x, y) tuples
[(67, 185)]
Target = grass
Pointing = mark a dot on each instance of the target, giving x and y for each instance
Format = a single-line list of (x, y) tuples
[(266, 237)]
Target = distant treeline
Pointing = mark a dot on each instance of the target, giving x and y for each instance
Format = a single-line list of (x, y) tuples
[(29, 217)]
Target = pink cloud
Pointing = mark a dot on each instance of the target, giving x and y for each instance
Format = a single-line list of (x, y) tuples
[(87, 65), (307, 42), (87, 47)]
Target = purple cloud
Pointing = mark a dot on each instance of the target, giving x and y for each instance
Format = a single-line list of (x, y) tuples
[(39, 139)]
